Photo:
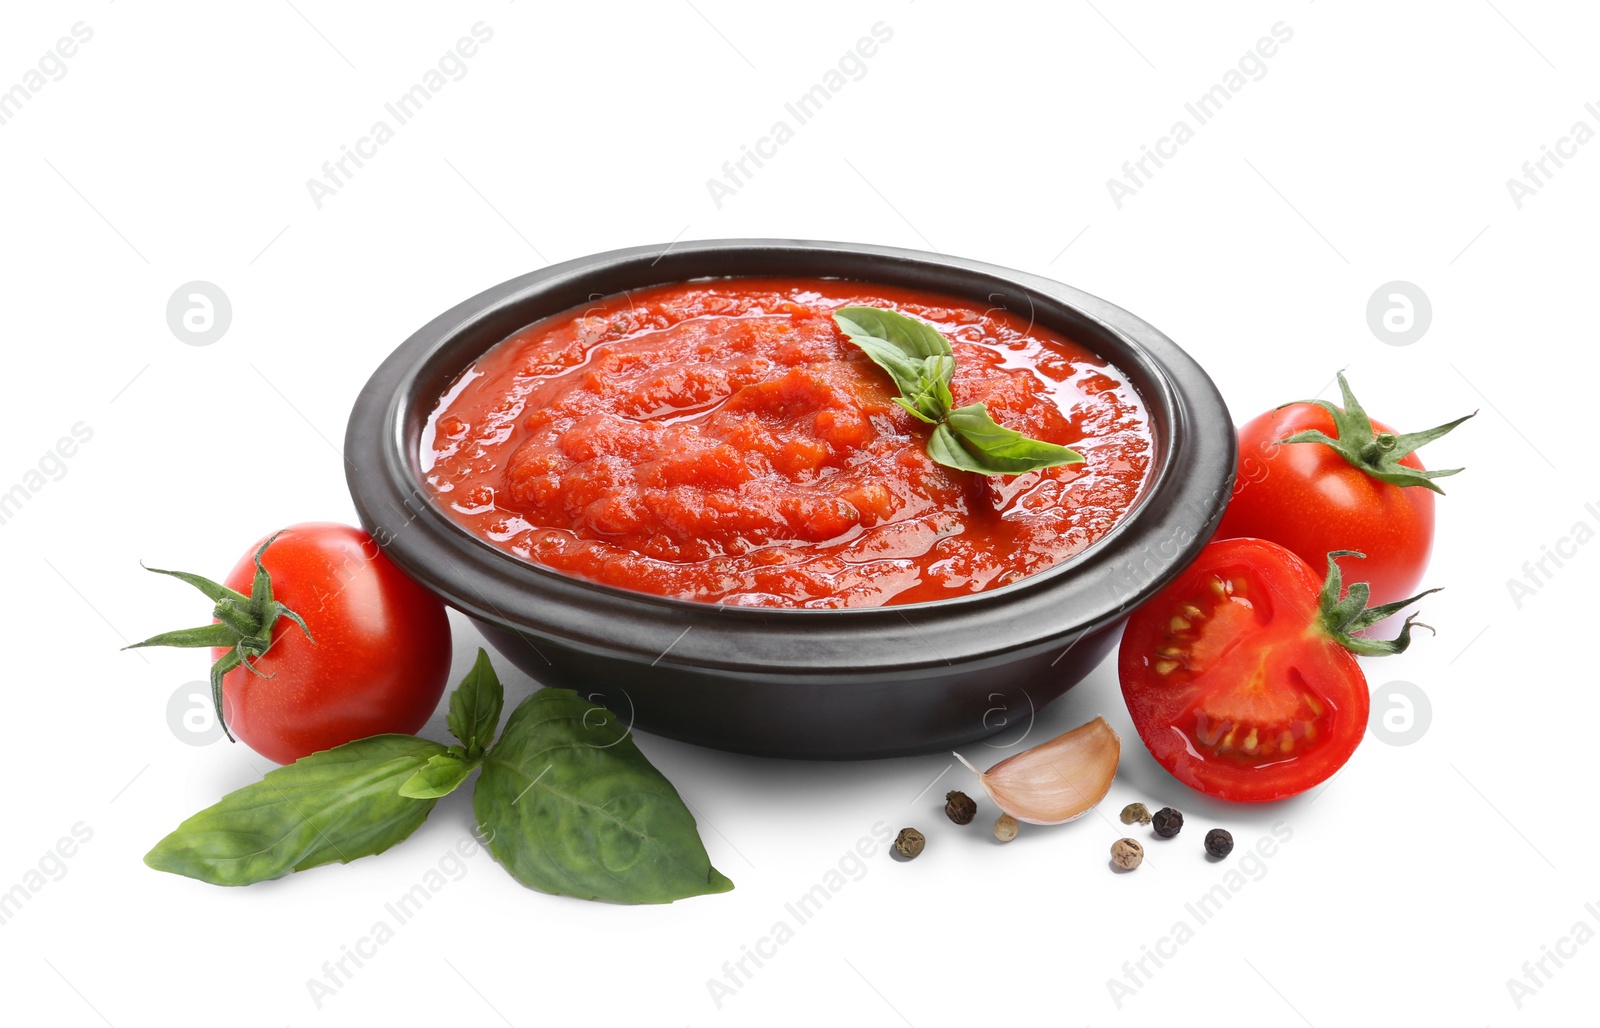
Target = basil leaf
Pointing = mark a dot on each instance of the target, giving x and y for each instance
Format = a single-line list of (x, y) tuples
[(896, 343), (970, 440), (920, 360), (475, 706), (335, 805), (438, 777), (930, 400), (911, 337), (570, 806)]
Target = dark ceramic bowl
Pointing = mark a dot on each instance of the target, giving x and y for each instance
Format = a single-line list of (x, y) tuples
[(858, 682)]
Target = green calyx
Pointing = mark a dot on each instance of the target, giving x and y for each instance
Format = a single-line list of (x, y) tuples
[(243, 624), (1342, 616), (1376, 453), (920, 360)]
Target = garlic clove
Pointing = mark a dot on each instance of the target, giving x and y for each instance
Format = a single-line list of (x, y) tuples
[(1055, 781)]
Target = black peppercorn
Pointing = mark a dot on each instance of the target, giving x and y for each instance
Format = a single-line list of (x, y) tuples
[(1219, 842), (960, 807), (1167, 822), (909, 843)]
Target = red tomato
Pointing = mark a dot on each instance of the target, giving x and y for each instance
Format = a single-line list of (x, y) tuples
[(1314, 499), (380, 658), (1311, 500), (1235, 683)]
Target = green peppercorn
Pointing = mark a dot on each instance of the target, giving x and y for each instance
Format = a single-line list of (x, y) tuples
[(1167, 822), (1136, 812), (960, 808), (1005, 828), (1219, 842), (909, 843), (1126, 854)]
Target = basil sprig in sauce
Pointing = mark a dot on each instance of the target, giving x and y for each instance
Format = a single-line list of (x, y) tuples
[(920, 360)]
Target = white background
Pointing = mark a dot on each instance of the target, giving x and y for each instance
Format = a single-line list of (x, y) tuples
[(1376, 147)]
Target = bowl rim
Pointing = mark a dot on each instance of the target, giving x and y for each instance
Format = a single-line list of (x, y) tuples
[(1175, 514)]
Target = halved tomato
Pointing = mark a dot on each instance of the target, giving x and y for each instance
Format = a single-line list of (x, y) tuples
[(1241, 676)]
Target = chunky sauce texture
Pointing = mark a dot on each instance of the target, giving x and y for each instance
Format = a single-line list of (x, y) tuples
[(723, 441)]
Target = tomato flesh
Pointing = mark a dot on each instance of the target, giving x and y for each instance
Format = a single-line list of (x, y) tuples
[(380, 656), (1232, 684)]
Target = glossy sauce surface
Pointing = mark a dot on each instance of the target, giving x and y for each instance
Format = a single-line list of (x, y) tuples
[(723, 441)]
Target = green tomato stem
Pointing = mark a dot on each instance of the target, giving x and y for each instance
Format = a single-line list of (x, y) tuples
[(244, 625), (1377, 454)]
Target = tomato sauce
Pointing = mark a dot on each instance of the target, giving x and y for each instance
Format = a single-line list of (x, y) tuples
[(723, 441)]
